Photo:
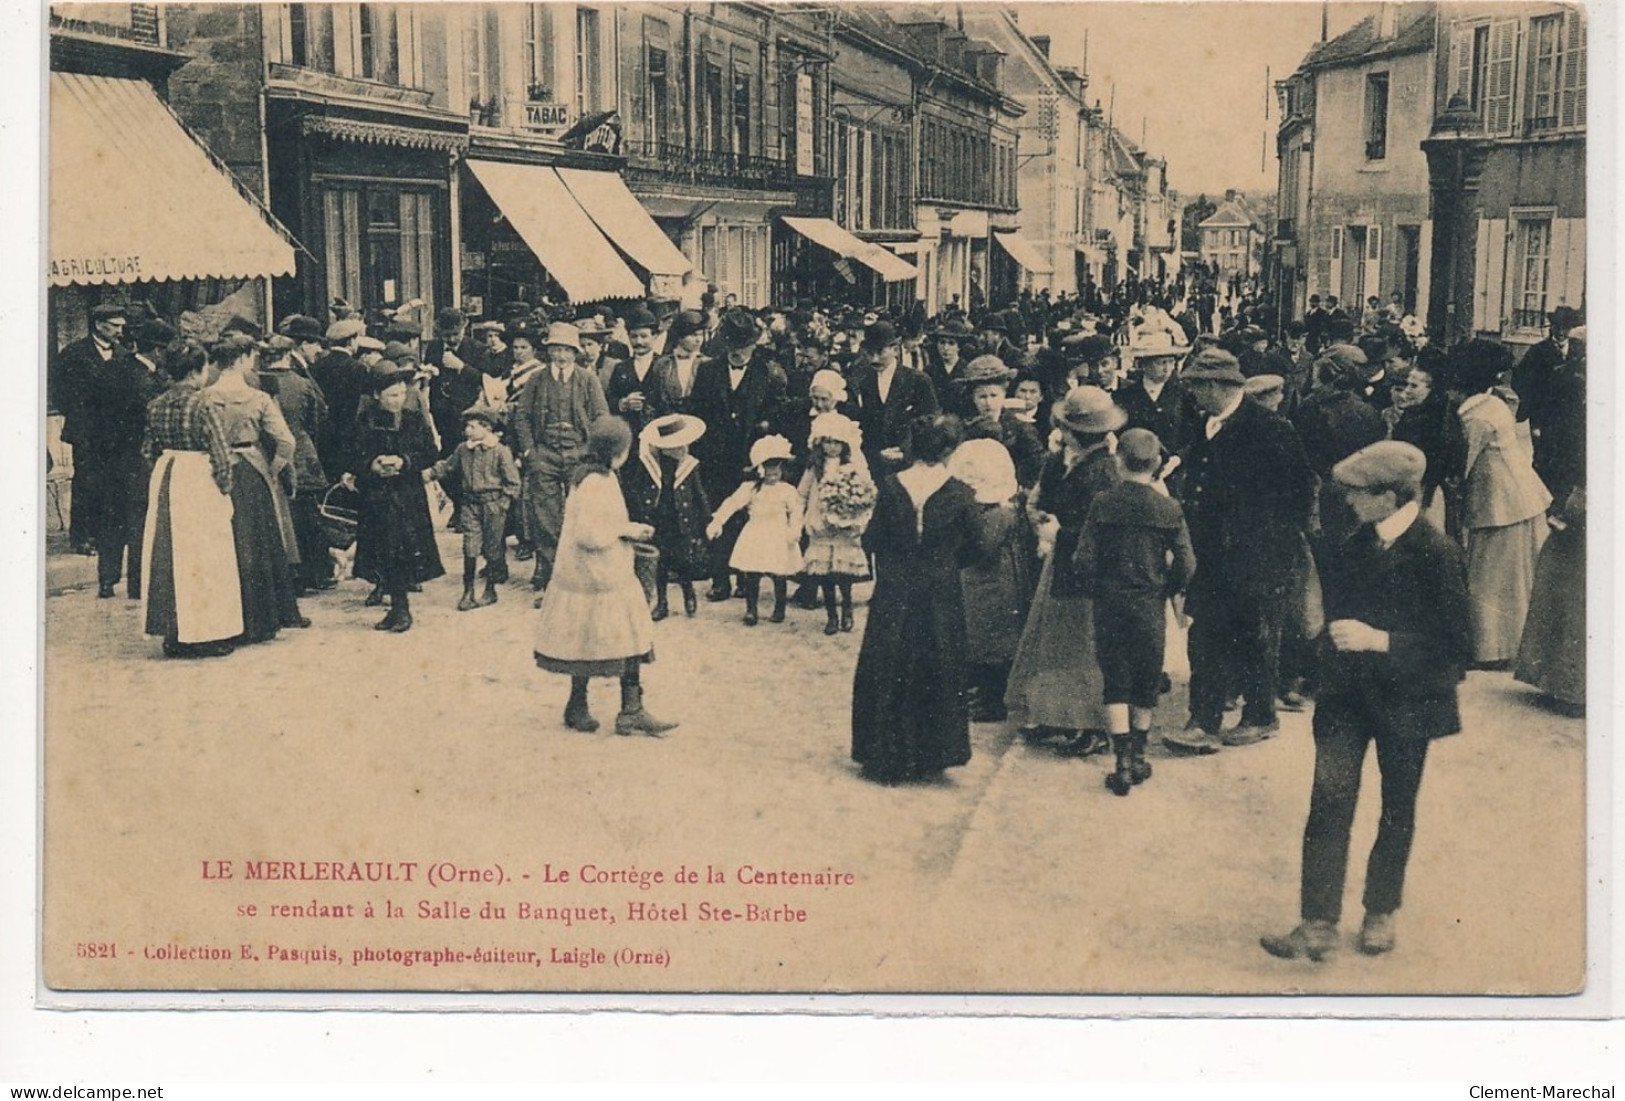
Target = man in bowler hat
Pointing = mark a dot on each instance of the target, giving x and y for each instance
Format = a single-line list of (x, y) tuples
[(889, 399), (1399, 636)]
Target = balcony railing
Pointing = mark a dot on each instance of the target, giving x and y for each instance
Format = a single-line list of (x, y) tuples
[(675, 163)]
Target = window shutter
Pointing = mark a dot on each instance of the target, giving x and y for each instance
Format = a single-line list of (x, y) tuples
[(1424, 270), (1489, 281), (1567, 284), (1334, 285), (1572, 110), (1461, 61), (1501, 78)]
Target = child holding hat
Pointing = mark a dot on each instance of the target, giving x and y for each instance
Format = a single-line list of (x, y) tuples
[(485, 483), (1133, 554), (770, 542), (663, 492)]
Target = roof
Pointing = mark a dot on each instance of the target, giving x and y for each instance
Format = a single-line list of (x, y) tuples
[(1360, 42), (1230, 213)]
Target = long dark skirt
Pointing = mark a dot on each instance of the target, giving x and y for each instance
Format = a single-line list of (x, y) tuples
[(1552, 653), (270, 596)]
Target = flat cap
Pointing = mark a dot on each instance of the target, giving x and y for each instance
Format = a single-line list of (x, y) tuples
[(1260, 385), (1381, 465), (1215, 365), (346, 329)]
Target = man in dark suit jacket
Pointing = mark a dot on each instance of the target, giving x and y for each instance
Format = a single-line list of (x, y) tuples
[(1247, 495), (72, 385), (1543, 380), (741, 398), (1399, 635), (889, 398)]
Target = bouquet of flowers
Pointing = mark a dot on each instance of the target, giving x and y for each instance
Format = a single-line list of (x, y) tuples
[(847, 498)]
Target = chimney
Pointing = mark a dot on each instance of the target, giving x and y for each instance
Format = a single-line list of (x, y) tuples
[(1230, 195), (1387, 21), (1042, 42)]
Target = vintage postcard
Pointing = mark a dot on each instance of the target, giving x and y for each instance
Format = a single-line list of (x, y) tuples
[(1034, 498)]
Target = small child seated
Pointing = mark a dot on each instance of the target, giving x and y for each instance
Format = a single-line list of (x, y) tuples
[(485, 482), (1133, 554)]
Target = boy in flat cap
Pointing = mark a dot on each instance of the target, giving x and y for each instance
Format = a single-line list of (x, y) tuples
[(1399, 636), (484, 482)]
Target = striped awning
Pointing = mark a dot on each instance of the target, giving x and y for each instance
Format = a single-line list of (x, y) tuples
[(616, 211), (557, 230), (133, 198), (821, 231)]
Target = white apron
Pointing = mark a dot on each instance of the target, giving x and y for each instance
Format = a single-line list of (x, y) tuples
[(208, 593)]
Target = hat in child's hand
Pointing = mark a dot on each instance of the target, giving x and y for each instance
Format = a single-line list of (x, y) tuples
[(672, 431)]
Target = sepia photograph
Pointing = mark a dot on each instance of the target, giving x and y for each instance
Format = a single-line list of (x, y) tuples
[(816, 498)]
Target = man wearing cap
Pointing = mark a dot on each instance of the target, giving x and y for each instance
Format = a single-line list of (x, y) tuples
[(1247, 495), (551, 415), (1399, 637), (343, 379), (70, 385), (741, 398), (306, 334), (889, 399)]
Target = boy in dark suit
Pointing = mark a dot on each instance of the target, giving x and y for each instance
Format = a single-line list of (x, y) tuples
[(1399, 635)]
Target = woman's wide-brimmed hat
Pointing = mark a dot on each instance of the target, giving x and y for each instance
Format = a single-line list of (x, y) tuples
[(386, 373), (672, 431), (768, 449), (1088, 409), (984, 369), (1155, 344), (836, 426), (737, 329)]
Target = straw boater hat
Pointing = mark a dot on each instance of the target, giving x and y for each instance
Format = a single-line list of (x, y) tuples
[(768, 449), (984, 369), (831, 382), (986, 467), (672, 431), (1088, 409), (837, 426), (564, 334)]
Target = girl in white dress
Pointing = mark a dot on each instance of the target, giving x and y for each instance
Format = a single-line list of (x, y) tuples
[(771, 540)]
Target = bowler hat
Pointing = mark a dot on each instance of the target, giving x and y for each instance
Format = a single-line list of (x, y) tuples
[(880, 335), (1215, 365), (1382, 465), (1092, 348), (686, 323), (108, 311), (640, 317), (301, 328), (1563, 317), (1088, 409), (590, 326)]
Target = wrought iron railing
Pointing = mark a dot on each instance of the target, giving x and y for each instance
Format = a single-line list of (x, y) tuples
[(674, 162)]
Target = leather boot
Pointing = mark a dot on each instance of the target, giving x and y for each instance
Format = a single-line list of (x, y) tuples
[(489, 596), (661, 609), (577, 716), (1139, 769), (1120, 781), (633, 719), (467, 603)]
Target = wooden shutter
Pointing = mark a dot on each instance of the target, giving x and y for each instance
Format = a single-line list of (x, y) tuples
[(1424, 269), (1565, 285), (1489, 278), (1334, 284), (1461, 61), (1501, 78), (1572, 97), (1373, 262)]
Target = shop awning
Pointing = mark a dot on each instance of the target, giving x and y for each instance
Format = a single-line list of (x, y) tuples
[(822, 231), (554, 227), (617, 212), (1023, 252), (134, 199)]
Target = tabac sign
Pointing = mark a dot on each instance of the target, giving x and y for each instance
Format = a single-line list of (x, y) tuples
[(546, 116)]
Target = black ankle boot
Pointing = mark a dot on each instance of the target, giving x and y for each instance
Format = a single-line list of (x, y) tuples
[(1139, 769), (1120, 781), (661, 609)]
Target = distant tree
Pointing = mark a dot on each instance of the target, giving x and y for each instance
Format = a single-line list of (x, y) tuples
[(1194, 214)]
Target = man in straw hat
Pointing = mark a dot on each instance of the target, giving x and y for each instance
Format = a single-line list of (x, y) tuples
[(550, 418), (1247, 495), (1399, 637)]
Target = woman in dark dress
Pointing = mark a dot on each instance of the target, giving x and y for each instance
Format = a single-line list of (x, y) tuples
[(910, 718), (395, 547), (262, 450)]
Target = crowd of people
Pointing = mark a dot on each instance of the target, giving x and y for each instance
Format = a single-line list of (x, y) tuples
[(1342, 513)]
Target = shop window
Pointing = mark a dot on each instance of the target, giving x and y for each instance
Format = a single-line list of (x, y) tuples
[(380, 245)]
